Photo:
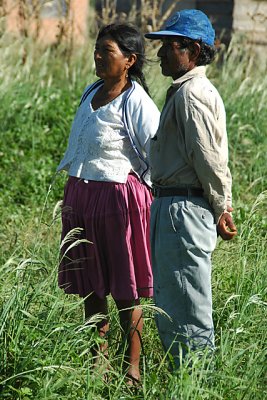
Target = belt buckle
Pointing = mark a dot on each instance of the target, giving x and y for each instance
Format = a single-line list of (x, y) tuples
[(189, 192), (155, 191)]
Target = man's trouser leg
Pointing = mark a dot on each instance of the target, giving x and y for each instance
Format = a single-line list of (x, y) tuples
[(183, 236)]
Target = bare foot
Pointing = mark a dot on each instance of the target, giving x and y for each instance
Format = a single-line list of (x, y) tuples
[(133, 377)]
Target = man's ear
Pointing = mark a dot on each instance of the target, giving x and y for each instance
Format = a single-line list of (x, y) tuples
[(194, 52)]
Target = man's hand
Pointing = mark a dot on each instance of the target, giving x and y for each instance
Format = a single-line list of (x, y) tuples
[(226, 227)]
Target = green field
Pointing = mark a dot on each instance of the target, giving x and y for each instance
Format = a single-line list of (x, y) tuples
[(44, 342)]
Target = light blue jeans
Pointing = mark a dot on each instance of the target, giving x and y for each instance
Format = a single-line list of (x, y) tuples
[(183, 237)]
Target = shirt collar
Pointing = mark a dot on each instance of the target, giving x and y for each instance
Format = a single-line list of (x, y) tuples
[(197, 71)]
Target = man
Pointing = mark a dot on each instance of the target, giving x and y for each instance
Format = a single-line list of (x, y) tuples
[(191, 184)]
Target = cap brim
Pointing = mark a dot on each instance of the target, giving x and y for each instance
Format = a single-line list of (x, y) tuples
[(160, 34)]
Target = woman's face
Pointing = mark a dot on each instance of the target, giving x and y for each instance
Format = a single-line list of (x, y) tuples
[(110, 62)]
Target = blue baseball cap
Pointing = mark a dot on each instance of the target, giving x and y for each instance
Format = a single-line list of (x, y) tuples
[(193, 24)]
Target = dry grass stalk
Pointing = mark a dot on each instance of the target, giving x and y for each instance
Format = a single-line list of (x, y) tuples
[(148, 16)]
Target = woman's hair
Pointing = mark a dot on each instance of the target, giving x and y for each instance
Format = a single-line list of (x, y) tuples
[(207, 53), (130, 41)]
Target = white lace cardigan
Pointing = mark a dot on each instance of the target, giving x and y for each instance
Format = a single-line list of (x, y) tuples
[(140, 119)]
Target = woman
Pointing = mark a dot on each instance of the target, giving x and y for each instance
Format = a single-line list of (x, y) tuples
[(107, 193)]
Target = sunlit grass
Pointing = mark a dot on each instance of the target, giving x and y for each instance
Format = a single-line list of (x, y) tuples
[(44, 341)]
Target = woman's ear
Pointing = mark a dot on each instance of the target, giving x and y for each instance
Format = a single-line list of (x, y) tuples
[(131, 60)]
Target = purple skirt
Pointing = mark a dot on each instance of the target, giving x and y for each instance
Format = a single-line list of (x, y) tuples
[(114, 217)]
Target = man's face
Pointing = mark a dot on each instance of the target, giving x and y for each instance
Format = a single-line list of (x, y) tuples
[(175, 61)]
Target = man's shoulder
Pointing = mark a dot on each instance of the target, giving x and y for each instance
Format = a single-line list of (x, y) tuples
[(197, 83), (199, 87)]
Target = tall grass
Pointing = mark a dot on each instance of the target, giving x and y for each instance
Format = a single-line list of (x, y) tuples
[(44, 341)]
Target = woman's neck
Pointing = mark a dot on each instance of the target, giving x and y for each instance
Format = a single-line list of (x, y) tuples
[(109, 91), (115, 86)]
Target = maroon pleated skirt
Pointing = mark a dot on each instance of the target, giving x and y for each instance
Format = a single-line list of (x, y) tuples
[(114, 218)]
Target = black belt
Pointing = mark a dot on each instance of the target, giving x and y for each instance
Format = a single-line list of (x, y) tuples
[(166, 192)]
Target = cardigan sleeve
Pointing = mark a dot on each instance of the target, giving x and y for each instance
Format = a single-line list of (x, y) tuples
[(142, 118)]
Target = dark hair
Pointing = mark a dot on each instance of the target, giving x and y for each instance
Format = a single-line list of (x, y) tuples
[(207, 53), (130, 41)]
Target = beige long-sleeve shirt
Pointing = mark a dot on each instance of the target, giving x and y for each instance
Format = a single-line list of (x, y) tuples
[(190, 148)]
